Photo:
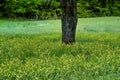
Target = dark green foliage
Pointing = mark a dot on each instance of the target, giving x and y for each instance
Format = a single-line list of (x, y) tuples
[(32, 9), (47, 9), (91, 8)]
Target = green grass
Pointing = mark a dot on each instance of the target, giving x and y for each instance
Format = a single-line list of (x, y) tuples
[(104, 24), (32, 50), (29, 27)]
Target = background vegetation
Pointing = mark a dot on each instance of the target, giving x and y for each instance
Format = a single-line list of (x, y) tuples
[(47, 9), (99, 24)]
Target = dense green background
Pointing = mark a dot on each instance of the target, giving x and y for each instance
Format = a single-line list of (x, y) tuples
[(50, 9)]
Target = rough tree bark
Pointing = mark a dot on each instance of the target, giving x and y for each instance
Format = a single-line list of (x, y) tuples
[(69, 20)]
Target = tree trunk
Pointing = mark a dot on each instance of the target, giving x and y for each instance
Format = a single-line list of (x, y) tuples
[(69, 20)]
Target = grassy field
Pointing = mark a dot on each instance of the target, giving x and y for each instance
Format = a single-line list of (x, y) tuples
[(106, 24), (32, 50)]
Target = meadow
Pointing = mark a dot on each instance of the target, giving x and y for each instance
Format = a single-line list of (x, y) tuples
[(32, 50)]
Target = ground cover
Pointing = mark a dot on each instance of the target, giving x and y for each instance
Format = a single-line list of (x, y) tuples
[(32, 50)]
